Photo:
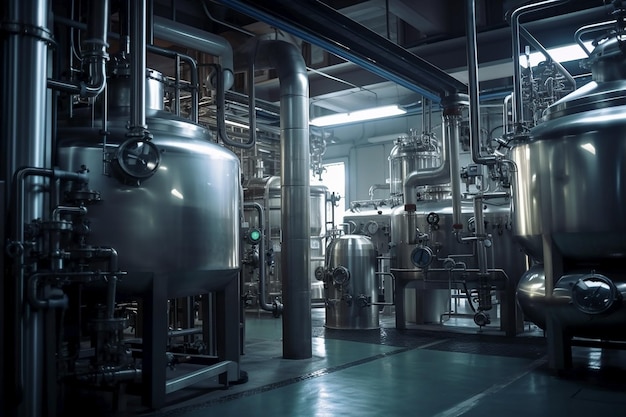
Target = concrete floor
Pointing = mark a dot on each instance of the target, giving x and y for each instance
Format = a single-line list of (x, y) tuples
[(442, 371)]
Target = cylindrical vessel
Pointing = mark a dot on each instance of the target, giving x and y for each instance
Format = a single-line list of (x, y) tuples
[(267, 192), (434, 219), (181, 222), (570, 173), (351, 284), (414, 153), (570, 192)]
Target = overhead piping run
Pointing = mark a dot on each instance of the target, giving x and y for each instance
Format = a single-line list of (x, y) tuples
[(320, 25), (515, 36), (199, 40), (474, 95)]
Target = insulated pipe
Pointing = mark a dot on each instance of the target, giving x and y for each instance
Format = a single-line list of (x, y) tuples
[(515, 37), (199, 40), (24, 40), (472, 68), (295, 191)]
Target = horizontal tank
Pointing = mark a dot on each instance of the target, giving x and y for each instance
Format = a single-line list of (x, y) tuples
[(183, 220)]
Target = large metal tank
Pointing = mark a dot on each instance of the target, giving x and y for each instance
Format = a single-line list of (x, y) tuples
[(416, 152), (571, 194), (267, 192), (351, 285), (430, 226), (182, 222)]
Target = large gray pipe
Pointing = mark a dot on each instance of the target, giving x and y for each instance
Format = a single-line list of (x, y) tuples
[(199, 40), (23, 142), (295, 190), (138, 68)]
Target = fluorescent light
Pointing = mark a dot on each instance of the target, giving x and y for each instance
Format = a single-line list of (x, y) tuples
[(236, 124), (357, 116), (561, 54)]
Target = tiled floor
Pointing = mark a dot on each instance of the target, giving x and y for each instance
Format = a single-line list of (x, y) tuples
[(413, 372)]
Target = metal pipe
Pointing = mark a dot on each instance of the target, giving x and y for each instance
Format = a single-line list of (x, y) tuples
[(595, 27), (221, 112), (94, 54), (474, 95), (137, 126), (515, 37), (295, 191), (274, 308), (375, 187), (318, 23), (199, 40), (534, 42)]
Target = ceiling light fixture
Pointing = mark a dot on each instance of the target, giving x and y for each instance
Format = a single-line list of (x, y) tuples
[(560, 54), (357, 116)]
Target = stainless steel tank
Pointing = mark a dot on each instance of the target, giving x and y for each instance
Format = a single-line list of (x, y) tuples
[(350, 284), (267, 192), (411, 153), (571, 194), (430, 227), (182, 222)]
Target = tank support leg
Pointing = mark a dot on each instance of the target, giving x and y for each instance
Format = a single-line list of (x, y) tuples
[(559, 345), (154, 362), (399, 300)]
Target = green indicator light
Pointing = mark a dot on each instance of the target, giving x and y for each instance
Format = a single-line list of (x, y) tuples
[(255, 235)]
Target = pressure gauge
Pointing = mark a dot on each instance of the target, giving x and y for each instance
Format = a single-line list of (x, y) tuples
[(138, 158), (422, 256), (594, 294), (372, 227)]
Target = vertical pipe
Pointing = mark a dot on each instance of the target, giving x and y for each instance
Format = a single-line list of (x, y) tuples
[(138, 68), (295, 192), (23, 142), (472, 68)]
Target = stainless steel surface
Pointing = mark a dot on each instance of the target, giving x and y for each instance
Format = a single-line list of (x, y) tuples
[(348, 303), (267, 192), (570, 175), (199, 40), (289, 64), (183, 221), (138, 66), (503, 254), (559, 306)]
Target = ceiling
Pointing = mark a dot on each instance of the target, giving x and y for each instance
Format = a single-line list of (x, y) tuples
[(362, 53)]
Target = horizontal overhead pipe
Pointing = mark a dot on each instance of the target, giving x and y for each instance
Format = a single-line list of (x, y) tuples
[(325, 27)]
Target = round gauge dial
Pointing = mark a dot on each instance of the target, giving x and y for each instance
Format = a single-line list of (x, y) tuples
[(138, 158), (372, 227), (594, 294), (422, 256)]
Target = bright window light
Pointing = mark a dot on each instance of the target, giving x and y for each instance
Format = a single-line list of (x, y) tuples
[(561, 54), (357, 116)]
